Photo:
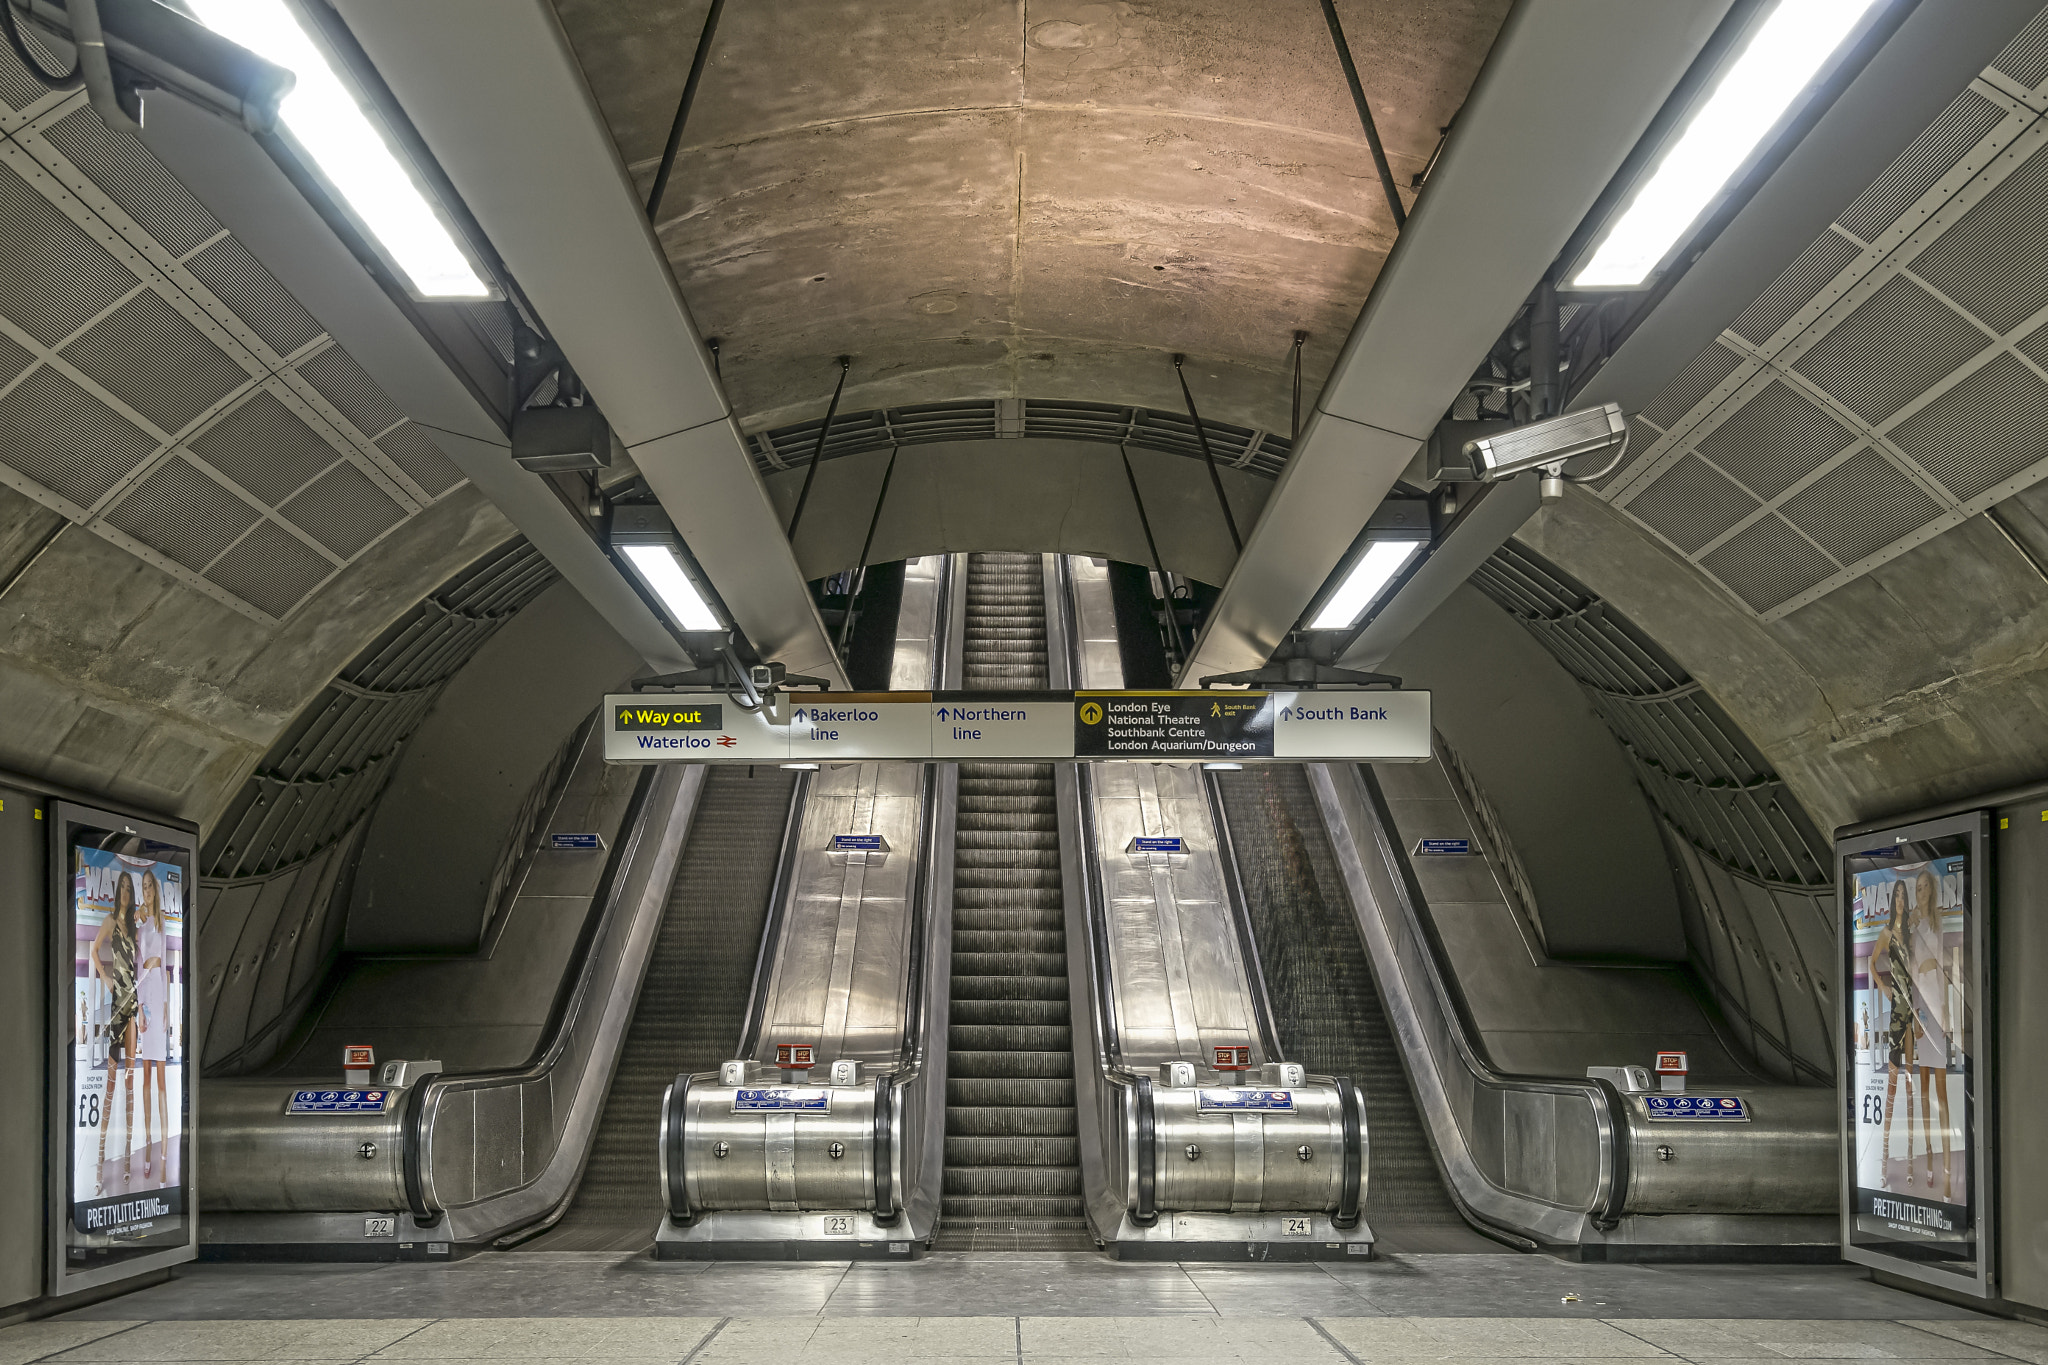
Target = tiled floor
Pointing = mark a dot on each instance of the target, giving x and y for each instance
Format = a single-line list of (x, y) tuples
[(1019, 1309)]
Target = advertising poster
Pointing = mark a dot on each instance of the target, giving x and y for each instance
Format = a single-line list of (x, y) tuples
[(128, 1051), (1910, 1016)]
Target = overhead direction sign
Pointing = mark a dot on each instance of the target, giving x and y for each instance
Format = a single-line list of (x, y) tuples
[(860, 727)]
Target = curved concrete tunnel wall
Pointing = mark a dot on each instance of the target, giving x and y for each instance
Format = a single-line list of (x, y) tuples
[(1552, 772), (436, 838), (1915, 684)]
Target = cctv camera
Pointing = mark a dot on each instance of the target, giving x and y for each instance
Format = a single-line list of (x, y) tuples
[(1549, 442)]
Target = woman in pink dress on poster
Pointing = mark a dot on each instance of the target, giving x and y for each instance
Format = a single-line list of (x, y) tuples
[(153, 1023)]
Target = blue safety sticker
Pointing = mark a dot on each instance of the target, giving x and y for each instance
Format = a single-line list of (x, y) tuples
[(1444, 847), (338, 1102), (576, 841), (1159, 843), (1726, 1108), (1244, 1099), (783, 1099), (859, 843)]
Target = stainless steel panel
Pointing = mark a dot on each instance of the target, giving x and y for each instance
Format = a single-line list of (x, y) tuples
[(255, 1156), (781, 1162), (1181, 985), (1099, 662), (920, 644), (1250, 1162), (1785, 1160), (839, 977)]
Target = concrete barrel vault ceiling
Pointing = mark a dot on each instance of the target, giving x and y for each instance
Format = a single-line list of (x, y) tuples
[(1036, 199)]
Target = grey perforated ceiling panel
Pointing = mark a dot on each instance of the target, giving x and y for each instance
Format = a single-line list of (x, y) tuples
[(161, 388), (1890, 383)]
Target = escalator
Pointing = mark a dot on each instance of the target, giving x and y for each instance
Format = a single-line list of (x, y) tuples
[(1325, 1005), (693, 1001), (1013, 1180)]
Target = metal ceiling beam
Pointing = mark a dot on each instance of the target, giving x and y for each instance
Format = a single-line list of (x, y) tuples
[(1932, 56), (239, 183), (498, 97), (1567, 91)]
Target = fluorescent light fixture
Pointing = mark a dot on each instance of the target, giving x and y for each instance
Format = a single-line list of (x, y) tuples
[(798, 767), (327, 122), (659, 568), (1381, 563), (1223, 767), (1783, 55)]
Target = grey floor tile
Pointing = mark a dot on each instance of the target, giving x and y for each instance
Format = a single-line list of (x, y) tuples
[(1278, 1291), (1180, 1339), (1493, 1338), (970, 1287), (303, 1339), (33, 1340), (1706, 1339), (551, 1338), (2021, 1340)]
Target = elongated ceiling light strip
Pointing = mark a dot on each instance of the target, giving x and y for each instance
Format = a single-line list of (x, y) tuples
[(324, 118), (657, 564), (1774, 67), (1377, 567)]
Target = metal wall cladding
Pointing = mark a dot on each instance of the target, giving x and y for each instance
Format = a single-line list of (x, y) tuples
[(780, 1161), (160, 387), (1885, 386), (1249, 1162)]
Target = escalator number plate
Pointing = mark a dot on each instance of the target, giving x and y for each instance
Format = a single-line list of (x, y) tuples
[(1296, 1227), (839, 1225)]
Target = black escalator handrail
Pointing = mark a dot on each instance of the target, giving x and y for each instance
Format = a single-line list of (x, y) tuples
[(1146, 1210), (1353, 1178), (885, 1126), (411, 1156), (1611, 1192), (674, 1109), (1241, 918), (771, 928), (563, 1016)]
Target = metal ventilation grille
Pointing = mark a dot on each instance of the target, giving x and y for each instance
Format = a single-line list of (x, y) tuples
[(160, 387), (1888, 385), (1257, 452), (327, 769), (1757, 896)]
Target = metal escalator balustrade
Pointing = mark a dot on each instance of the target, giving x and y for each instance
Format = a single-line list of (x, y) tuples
[(692, 1004), (1326, 1007), (1012, 1177)]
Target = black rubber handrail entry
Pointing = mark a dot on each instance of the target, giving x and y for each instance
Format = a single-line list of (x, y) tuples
[(1147, 1212), (1354, 1157), (678, 1197), (409, 1158), (885, 1194), (1615, 1200)]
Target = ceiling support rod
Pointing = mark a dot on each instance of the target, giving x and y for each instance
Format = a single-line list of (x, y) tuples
[(818, 451), (1543, 352), (675, 130), (1294, 431), (1172, 622), (1372, 131), (1208, 458), (860, 570)]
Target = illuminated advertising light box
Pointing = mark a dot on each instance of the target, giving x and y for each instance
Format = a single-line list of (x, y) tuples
[(1915, 1045), (124, 1054)]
